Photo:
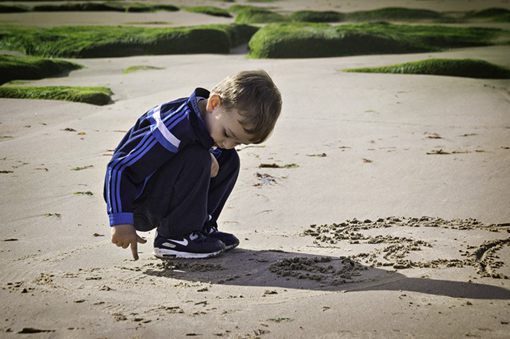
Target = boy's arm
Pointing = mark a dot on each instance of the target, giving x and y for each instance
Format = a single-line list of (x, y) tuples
[(125, 178), (154, 141), (124, 235), (139, 155)]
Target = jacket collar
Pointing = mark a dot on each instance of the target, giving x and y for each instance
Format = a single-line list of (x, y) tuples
[(197, 121)]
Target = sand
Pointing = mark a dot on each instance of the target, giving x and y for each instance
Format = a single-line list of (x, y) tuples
[(381, 208)]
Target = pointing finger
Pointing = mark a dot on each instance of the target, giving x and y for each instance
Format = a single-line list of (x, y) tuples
[(134, 250)]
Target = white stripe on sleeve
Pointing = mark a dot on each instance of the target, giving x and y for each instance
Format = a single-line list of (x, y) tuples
[(162, 128)]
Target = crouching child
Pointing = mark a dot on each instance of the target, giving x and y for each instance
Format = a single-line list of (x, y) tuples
[(175, 168)]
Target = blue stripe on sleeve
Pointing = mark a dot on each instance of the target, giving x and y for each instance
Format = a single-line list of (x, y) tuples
[(172, 124), (129, 161), (121, 218), (117, 167)]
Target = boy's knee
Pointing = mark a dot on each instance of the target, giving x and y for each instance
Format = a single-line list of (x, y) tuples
[(196, 155), (229, 161), (233, 159)]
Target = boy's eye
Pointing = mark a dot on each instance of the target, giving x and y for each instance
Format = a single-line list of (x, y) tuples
[(225, 134)]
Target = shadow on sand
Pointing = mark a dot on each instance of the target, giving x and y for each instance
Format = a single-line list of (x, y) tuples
[(274, 268)]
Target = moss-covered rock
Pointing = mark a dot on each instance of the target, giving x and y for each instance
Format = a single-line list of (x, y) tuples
[(450, 67), (13, 8), (322, 40), (136, 68), (317, 16), (78, 7), (238, 34), (488, 13), (209, 10), (493, 14), (393, 13), (252, 15), (22, 67), (103, 7), (108, 41), (140, 8), (503, 18), (236, 9), (90, 95)]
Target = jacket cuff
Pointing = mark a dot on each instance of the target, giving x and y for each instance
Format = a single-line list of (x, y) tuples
[(121, 218)]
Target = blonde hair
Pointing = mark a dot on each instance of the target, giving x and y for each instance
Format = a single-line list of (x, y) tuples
[(256, 98)]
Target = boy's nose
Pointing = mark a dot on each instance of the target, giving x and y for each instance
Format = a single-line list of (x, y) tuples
[(229, 144)]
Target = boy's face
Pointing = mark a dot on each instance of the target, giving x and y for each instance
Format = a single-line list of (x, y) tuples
[(223, 125)]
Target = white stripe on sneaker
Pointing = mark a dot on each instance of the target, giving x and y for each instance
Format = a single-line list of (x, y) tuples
[(169, 244)]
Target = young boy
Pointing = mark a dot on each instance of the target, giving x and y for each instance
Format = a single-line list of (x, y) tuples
[(176, 167)]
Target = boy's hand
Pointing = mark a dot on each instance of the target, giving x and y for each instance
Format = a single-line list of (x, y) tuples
[(125, 235), (215, 167)]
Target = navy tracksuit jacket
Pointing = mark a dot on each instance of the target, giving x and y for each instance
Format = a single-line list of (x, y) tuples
[(159, 175)]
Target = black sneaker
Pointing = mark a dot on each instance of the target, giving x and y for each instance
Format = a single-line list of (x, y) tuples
[(194, 245), (228, 239)]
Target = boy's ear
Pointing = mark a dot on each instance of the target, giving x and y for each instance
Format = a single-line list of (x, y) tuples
[(213, 102)]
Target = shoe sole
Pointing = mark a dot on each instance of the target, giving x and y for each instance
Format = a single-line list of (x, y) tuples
[(228, 248), (170, 254)]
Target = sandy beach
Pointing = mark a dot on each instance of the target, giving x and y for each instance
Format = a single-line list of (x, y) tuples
[(389, 216)]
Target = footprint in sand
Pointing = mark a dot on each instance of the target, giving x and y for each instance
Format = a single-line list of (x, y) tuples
[(318, 155), (89, 193), (265, 179), (274, 165), (31, 330), (80, 168), (432, 135)]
